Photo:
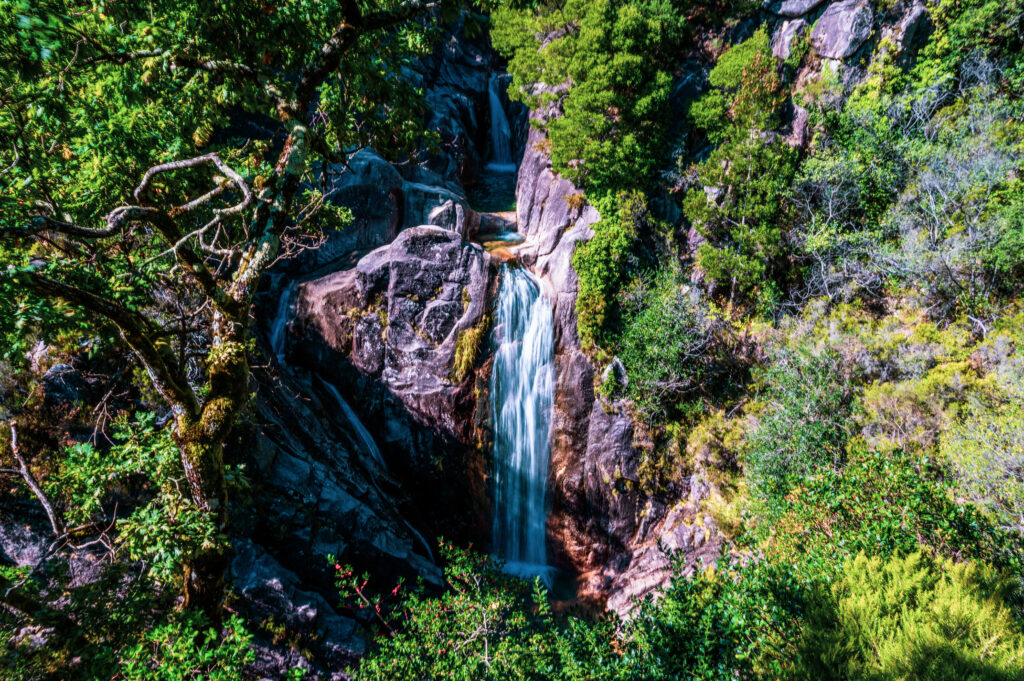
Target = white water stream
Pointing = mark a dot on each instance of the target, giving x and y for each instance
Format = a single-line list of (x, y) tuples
[(522, 391), (501, 133), (279, 325)]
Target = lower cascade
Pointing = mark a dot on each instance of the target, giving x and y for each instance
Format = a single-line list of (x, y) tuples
[(522, 391)]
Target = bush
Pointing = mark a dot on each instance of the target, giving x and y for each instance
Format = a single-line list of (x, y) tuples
[(615, 58), (881, 504), (483, 626), (806, 422), (603, 265), (719, 624), (985, 447), (664, 341), (914, 619)]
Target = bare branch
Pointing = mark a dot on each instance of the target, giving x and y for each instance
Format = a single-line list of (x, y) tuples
[(30, 480), (214, 159), (45, 223)]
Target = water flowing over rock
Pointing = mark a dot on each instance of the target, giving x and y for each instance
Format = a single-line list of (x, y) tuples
[(522, 388), (501, 133), (600, 526)]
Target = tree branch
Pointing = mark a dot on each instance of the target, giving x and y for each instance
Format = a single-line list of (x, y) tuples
[(45, 223), (30, 480), (137, 331)]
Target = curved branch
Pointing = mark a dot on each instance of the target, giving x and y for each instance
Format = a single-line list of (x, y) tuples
[(212, 158), (45, 223), (137, 331)]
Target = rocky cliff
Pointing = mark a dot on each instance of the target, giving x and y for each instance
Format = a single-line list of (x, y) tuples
[(402, 330)]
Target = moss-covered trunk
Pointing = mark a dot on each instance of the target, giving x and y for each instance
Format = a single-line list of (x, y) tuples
[(201, 442)]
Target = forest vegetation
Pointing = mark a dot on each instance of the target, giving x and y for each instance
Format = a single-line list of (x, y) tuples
[(831, 333)]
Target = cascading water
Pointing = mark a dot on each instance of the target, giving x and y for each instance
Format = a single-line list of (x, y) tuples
[(279, 325), (522, 391), (365, 440), (501, 133)]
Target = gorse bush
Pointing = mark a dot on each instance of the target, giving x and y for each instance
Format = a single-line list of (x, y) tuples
[(916, 619)]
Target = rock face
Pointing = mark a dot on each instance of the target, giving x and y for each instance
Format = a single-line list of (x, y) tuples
[(373, 190), (842, 29), (320, 492), (783, 38), (390, 328), (386, 198), (795, 8)]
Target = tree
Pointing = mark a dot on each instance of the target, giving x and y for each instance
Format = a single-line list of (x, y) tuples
[(132, 194), (606, 63)]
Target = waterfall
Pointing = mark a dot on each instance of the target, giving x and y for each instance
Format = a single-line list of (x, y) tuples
[(522, 391), (278, 327), (365, 440), (370, 447), (501, 133)]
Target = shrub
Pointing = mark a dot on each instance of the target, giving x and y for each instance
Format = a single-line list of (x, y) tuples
[(914, 619), (881, 504), (664, 341), (603, 265), (614, 57), (805, 425), (483, 626), (985, 447)]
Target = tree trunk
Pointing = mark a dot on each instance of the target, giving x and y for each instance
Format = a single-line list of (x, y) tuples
[(200, 441), (203, 460)]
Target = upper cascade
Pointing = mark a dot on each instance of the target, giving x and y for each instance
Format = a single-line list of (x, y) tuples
[(501, 133)]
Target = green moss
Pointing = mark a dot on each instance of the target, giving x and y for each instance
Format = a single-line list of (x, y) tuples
[(467, 348)]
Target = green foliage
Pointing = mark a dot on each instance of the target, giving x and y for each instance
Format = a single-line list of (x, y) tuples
[(603, 264), (748, 90), (882, 504), (122, 627), (740, 215), (716, 625), (915, 619), (614, 56), (482, 627), (180, 650), (985, 447), (805, 425), (963, 27), (663, 341), (164, 530)]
